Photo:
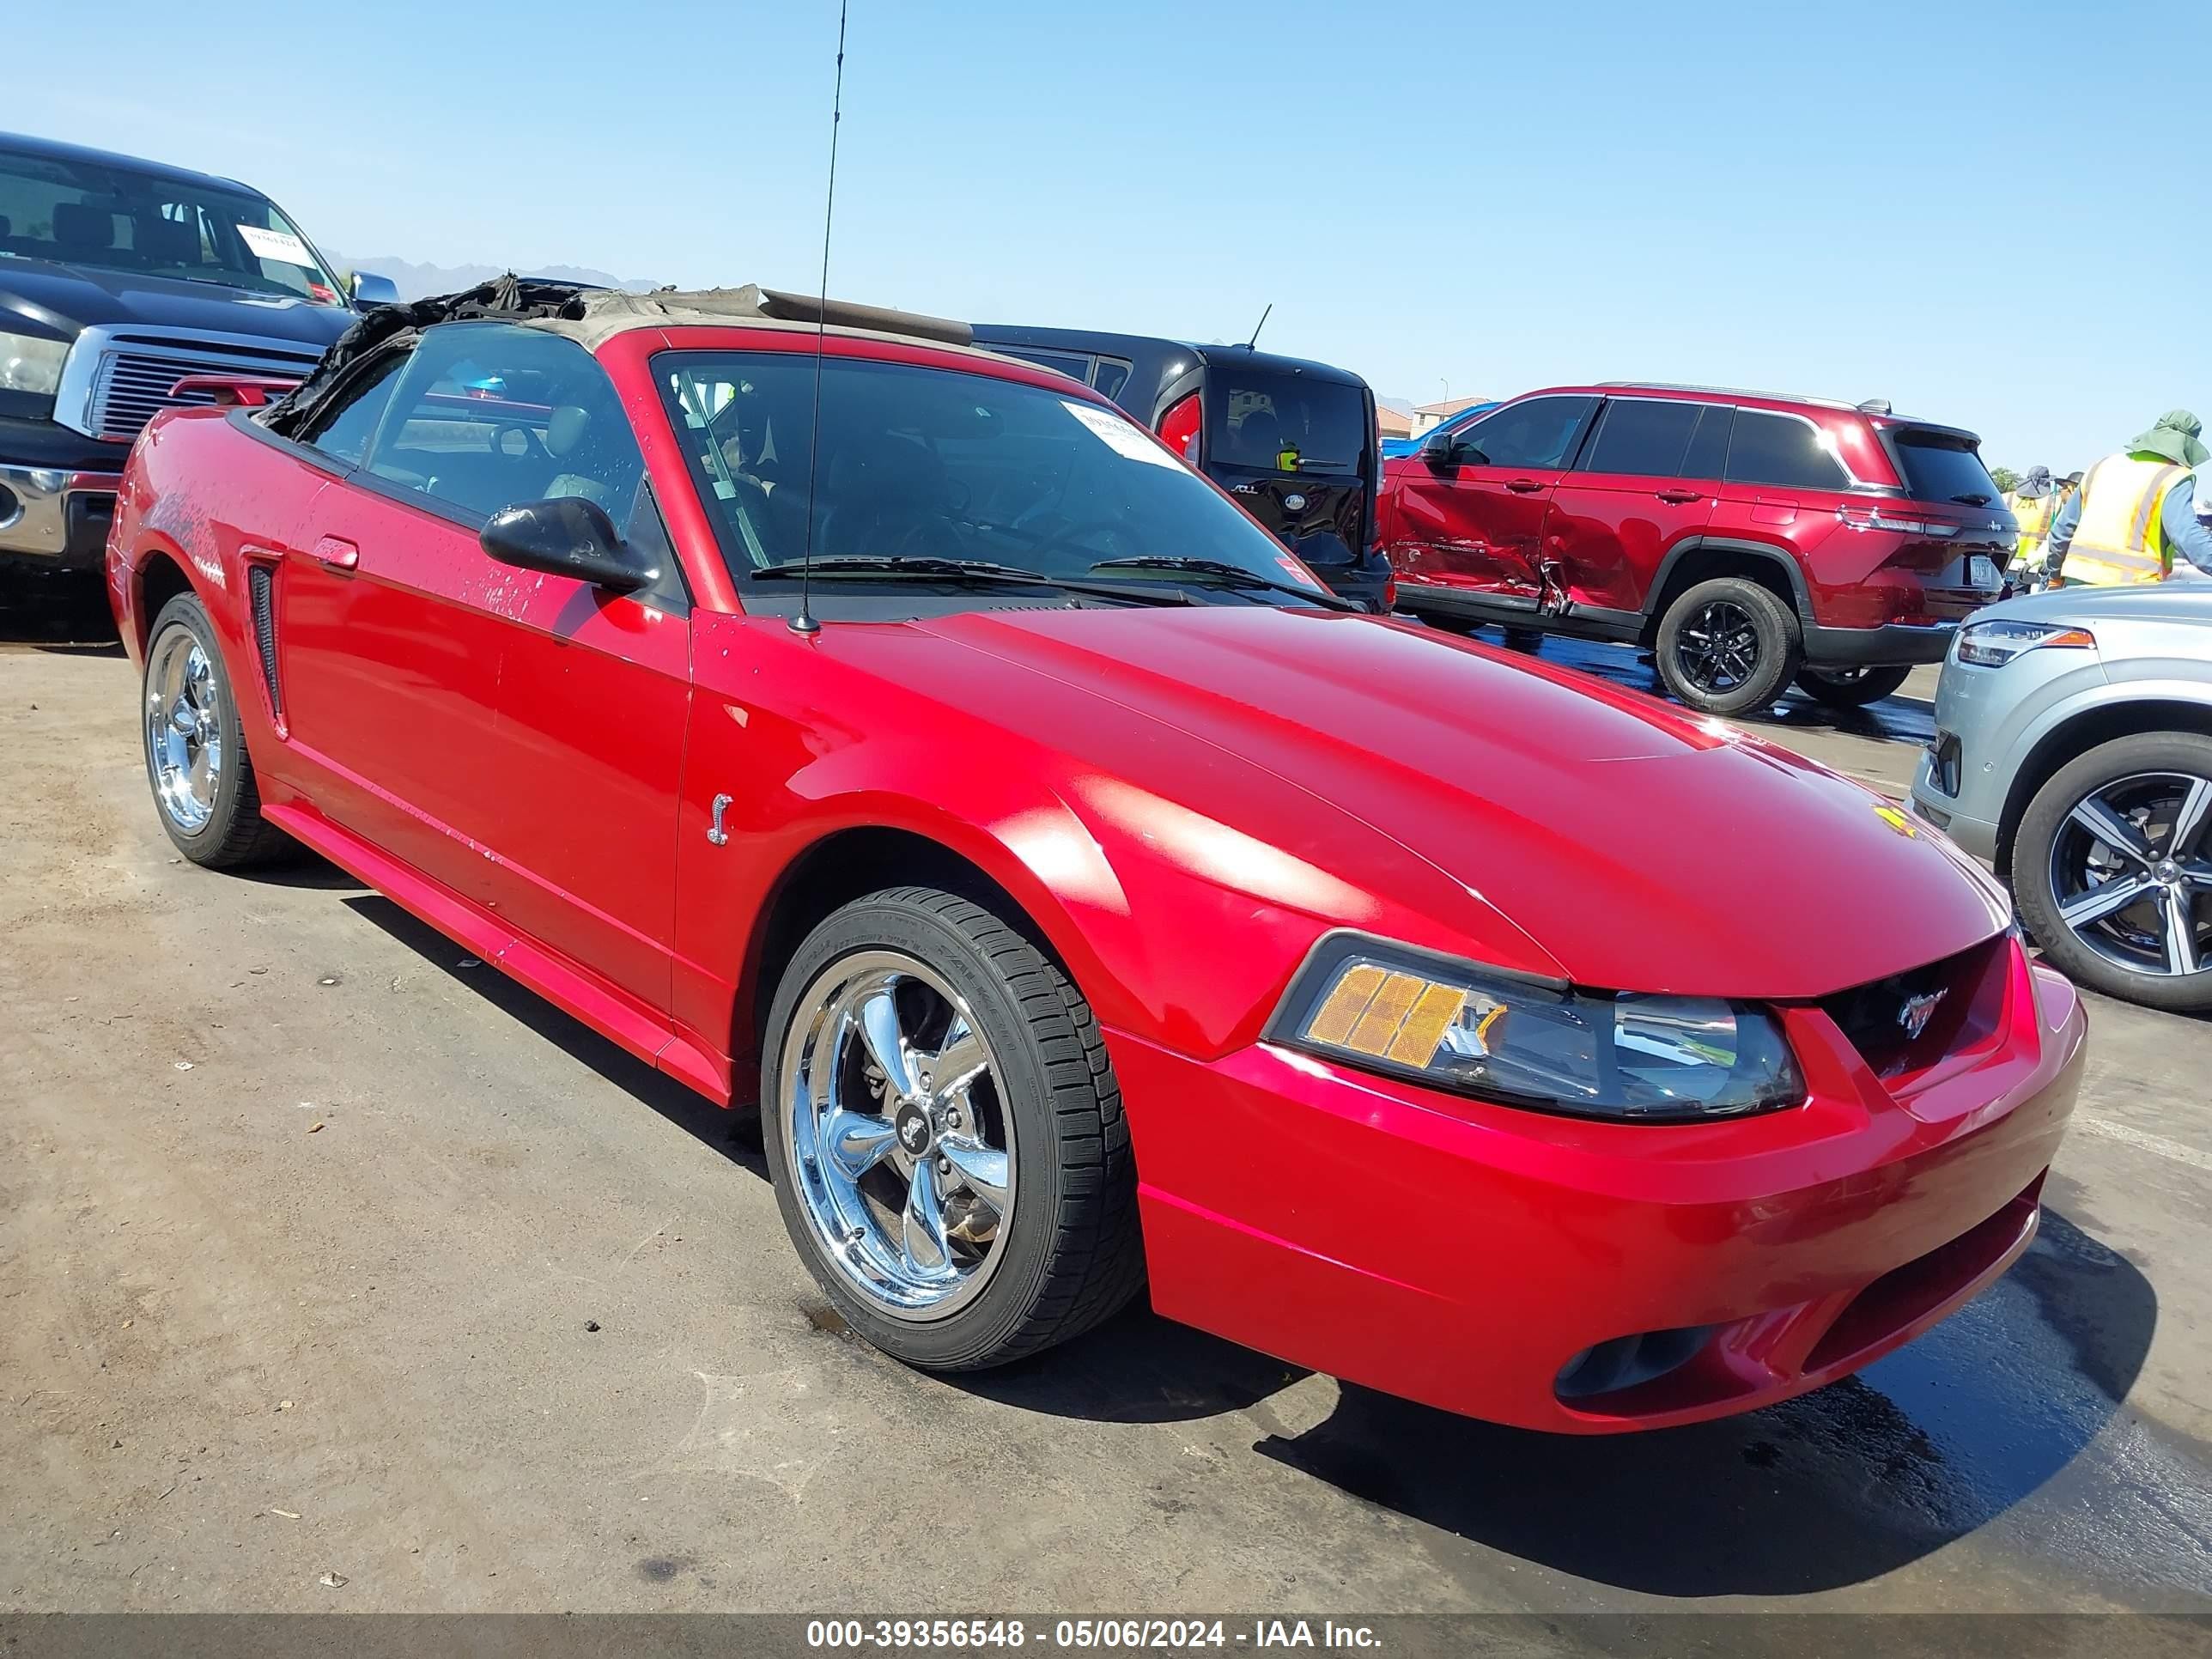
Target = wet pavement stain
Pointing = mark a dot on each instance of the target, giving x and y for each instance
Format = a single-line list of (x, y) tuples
[(2002, 1418)]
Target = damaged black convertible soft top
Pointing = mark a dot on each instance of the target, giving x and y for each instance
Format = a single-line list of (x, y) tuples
[(589, 315)]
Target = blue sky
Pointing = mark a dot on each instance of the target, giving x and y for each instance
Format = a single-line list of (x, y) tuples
[(1997, 216)]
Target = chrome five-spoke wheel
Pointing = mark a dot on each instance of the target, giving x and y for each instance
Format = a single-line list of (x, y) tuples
[(184, 729), (944, 1132), (2131, 870), (900, 1151)]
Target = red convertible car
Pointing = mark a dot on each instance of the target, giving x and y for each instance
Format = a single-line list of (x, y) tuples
[(896, 730)]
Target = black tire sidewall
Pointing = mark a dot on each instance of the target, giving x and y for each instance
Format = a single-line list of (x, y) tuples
[(2154, 752), (208, 843), (1876, 683), (966, 1337), (1780, 646)]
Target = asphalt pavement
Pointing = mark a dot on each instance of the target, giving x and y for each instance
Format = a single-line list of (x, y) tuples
[(339, 1273)]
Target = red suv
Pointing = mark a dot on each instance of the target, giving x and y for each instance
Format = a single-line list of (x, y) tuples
[(1746, 540)]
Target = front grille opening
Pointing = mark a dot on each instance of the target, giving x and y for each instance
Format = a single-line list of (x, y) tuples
[(1957, 1002), (1628, 1362), (1945, 755), (260, 583), (137, 374), (1905, 1295)]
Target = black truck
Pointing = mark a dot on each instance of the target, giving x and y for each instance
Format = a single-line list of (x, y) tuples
[(1294, 441), (127, 286)]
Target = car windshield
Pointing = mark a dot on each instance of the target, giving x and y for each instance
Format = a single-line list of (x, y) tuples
[(118, 218), (921, 462), (1277, 421)]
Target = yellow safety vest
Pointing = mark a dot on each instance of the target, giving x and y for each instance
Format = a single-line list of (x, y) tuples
[(2120, 538), (2035, 513)]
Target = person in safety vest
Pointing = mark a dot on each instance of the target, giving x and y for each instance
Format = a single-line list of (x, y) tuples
[(2136, 513), (2034, 501)]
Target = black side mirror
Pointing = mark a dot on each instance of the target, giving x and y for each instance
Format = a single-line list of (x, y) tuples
[(1437, 448), (565, 536)]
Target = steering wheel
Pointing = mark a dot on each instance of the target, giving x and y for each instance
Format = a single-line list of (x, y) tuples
[(1075, 531)]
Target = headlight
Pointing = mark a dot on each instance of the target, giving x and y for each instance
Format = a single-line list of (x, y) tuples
[(1994, 644), (28, 363), (1533, 1043)]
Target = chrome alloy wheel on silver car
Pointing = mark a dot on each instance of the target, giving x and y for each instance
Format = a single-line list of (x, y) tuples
[(898, 1146), (184, 729), (2131, 873)]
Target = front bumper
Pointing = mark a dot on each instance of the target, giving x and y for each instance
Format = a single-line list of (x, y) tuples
[(56, 493), (57, 518), (1892, 645), (1463, 1255), (1987, 721)]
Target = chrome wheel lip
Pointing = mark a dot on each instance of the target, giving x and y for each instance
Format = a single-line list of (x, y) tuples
[(1717, 649), (2144, 917), (184, 728), (886, 1255)]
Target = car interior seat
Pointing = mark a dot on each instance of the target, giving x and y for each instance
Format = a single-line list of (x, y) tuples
[(82, 227)]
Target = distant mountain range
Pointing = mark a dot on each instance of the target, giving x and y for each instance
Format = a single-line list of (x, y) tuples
[(419, 282)]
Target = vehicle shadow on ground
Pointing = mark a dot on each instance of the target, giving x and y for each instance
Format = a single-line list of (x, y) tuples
[(62, 613), (1832, 1489), (303, 871), (732, 1134), (1135, 1367)]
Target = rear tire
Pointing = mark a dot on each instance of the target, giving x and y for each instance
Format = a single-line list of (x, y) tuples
[(1728, 647), (2058, 861), (1851, 688), (204, 789), (1046, 1243)]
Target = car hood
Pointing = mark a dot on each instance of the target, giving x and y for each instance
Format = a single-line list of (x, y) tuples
[(1637, 848), (2185, 600), (67, 298)]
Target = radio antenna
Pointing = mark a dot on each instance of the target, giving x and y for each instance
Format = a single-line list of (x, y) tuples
[(804, 623), (1261, 324)]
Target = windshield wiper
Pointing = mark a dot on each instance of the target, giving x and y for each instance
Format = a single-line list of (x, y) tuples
[(1232, 575), (963, 570), (1974, 500)]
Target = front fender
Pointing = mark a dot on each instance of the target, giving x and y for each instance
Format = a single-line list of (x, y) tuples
[(1175, 927)]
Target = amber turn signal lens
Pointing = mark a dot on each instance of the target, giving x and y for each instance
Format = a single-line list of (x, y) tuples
[(1390, 1015)]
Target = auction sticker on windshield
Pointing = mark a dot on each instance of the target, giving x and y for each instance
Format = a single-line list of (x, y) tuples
[(1118, 435), (277, 245)]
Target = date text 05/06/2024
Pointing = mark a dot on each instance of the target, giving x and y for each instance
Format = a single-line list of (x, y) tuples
[(1074, 1635)]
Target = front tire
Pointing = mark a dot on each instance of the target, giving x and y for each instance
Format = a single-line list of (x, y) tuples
[(1728, 647), (946, 1134), (196, 760), (1851, 688), (2112, 869)]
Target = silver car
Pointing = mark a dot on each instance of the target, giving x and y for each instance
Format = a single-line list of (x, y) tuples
[(2073, 750)]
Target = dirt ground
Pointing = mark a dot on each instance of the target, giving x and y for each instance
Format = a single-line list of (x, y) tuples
[(338, 1273)]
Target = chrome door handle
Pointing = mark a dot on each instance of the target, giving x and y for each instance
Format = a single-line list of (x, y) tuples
[(715, 834)]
